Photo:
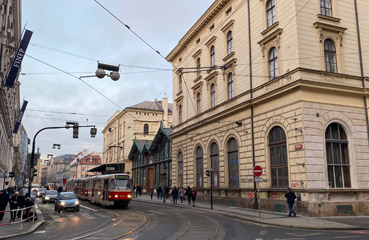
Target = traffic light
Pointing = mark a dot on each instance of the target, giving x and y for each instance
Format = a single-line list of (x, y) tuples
[(207, 172), (33, 173), (75, 130), (93, 132)]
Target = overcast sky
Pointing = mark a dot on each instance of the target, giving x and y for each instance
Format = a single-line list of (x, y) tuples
[(72, 36)]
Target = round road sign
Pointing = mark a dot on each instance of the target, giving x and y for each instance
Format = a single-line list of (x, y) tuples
[(258, 171)]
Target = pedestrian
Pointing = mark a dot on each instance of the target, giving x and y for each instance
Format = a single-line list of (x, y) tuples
[(175, 195), (4, 199), (14, 206), (193, 196), (60, 189), (133, 189), (166, 192), (181, 194), (21, 203), (291, 196), (139, 189), (188, 194), (29, 213), (151, 192), (159, 192)]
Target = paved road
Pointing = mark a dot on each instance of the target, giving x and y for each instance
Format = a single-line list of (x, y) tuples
[(151, 221)]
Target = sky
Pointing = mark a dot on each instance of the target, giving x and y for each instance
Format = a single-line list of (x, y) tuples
[(69, 39)]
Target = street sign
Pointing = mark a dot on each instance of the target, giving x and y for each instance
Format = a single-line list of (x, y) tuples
[(258, 171), (258, 179)]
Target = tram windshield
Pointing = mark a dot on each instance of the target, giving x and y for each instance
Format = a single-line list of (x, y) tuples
[(120, 184)]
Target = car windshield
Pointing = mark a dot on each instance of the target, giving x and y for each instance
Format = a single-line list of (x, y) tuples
[(52, 192), (66, 196), (42, 190), (120, 184)]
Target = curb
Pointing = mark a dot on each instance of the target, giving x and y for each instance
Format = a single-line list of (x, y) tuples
[(31, 229), (261, 221)]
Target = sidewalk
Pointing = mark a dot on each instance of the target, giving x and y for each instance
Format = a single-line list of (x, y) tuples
[(268, 218), (17, 229)]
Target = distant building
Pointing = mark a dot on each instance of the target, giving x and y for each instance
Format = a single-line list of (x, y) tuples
[(81, 167), (138, 122)]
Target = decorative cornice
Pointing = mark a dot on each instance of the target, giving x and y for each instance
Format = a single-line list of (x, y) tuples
[(211, 40), (178, 99), (328, 18), (197, 86), (197, 53), (329, 27), (228, 56), (197, 79), (227, 26), (269, 29), (270, 36), (211, 76)]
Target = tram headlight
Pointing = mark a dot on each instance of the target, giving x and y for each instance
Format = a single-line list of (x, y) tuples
[(129, 196), (116, 196), (62, 203), (47, 198), (76, 202)]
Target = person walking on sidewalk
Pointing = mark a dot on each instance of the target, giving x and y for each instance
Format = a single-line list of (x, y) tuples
[(4, 199), (159, 192), (175, 195), (166, 189), (188, 194), (193, 196), (13, 206), (181, 194), (291, 196)]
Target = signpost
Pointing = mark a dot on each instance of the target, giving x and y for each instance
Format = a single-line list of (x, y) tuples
[(257, 173)]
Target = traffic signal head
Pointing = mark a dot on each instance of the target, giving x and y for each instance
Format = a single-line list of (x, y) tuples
[(75, 130), (93, 132), (33, 173)]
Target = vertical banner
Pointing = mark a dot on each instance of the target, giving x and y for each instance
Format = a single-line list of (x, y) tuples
[(20, 116), (18, 59)]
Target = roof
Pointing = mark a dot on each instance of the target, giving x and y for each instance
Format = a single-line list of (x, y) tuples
[(138, 146), (159, 137), (151, 105), (66, 158), (90, 160)]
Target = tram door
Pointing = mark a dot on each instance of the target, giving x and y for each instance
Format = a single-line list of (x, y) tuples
[(106, 188), (150, 177)]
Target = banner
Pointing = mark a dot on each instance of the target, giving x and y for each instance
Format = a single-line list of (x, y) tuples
[(18, 59), (20, 116)]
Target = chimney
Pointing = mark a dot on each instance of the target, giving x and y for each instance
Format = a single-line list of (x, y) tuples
[(164, 105)]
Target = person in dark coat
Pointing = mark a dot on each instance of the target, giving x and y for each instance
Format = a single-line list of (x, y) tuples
[(188, 194), (175, 195), (159, 192), (291, 196), (4, 199), (14, 206), (30, 211), (21, 203), (193, 196)]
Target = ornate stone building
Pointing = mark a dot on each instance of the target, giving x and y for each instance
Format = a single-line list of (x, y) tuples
[(10, 34), (141, 122), (281, 84)]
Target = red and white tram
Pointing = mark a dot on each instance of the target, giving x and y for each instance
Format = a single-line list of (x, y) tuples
[(107, 190)]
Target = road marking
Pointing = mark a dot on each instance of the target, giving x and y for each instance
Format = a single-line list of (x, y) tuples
[(258, 239), (156, 212), (347, 237), (91, 209), (88, 216), (263, 232), (39, 232), (304, 234)]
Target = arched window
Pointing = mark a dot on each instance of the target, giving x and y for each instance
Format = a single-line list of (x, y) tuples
[(233, 162), (326, 7), (273, 63), (330, 56), (180, 82), (180, 114), (198, 67), (198, 103), (146, 128), (180, 169), (278, 157), (212, 56), (199, 168), (229, 42), (214, 158), (337, 157), (212, 88), (230, 85), (270, 13)]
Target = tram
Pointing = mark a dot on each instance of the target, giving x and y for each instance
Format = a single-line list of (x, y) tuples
[(106, 190)]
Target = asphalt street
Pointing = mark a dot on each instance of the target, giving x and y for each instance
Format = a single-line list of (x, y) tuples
[(151, 221)]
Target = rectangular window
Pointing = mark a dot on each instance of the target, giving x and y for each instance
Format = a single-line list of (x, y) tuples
[(211, 28)]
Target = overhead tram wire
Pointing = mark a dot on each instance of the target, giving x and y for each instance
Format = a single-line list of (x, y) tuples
[(38, 60), (71, 113)]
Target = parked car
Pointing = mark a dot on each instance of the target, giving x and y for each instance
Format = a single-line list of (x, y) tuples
[(49, 196), (65, 201), (41, 192)]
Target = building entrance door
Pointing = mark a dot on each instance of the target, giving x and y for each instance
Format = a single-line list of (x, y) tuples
[(150, 177)]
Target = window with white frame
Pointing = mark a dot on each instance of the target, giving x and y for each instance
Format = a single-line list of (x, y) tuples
[(212, 56), (230, 85), (229, 42), (198, 99), (212, 89), (198, 67), (273, 63), (270, 13), (180, 114), (180, 82), (199, 167), (330, 56), (326, 7)]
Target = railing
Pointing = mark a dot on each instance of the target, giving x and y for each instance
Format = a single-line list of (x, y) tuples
[(25, 213)]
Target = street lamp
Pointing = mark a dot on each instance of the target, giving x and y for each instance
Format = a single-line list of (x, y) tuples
[(56, 146), (100, 72)]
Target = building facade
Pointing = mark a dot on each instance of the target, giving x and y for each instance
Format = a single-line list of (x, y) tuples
[(80, 168), (152, 161), (140, 122), (10, 34), (280, 84)]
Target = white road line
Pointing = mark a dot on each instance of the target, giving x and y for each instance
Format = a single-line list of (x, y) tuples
[(91, 209), (304, 234), (88, 216), (342, 237), (39, 232)]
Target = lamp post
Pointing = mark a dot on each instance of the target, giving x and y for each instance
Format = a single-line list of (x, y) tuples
[(56, 145), (31, 169), (100, 72)]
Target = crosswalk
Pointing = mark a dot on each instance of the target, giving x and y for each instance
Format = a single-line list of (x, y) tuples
[(74, 217)]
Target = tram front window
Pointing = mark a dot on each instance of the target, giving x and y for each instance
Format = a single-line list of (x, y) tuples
[(120, 184)]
